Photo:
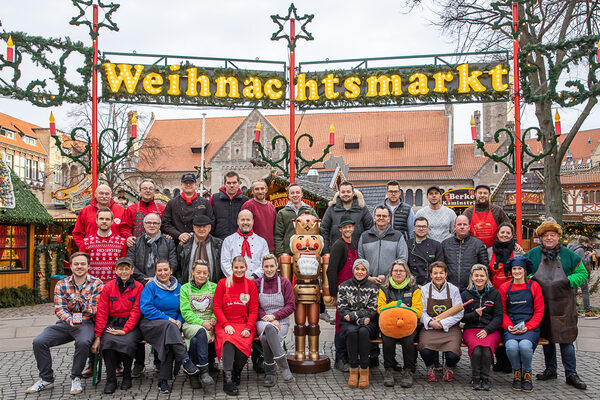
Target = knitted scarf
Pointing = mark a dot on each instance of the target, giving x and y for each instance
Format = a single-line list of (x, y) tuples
[(502, 250), (400, 285), (170, 287), (551, 254)]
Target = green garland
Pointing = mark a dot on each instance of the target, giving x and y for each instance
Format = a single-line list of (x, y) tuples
[(141, 96), (37, 48), (61, 256)]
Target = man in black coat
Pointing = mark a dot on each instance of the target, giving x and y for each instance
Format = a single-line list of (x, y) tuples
[(226, 204), (461, 252), (203, 246), (422, 251), (181, 210)]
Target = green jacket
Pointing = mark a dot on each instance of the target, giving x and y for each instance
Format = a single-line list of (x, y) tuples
[(571, 263), (284, 226), (191, 316)]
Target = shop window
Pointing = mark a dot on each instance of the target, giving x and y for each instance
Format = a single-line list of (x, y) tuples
[(419, 198), (13, 248)]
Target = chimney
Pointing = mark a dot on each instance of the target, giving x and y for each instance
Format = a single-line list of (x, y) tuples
[(312, 175)]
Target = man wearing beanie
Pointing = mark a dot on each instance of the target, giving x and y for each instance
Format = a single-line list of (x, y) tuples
[(558, 269)]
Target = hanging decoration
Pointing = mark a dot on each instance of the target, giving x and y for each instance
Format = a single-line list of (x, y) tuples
[(7, 191)]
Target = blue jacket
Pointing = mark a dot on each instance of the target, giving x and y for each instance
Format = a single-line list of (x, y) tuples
[(156, 303)]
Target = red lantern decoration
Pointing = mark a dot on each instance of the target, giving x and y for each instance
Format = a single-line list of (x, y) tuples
[(473, 129), (133, 127), (257, 133), (557, 124), (9, 50), (331, 135), (52, 125)]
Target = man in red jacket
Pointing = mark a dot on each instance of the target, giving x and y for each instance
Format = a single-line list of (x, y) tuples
[(133, 218), (86, 220)]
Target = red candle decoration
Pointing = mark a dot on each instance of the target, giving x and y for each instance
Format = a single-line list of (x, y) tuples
[(331, 135), (257, 133), (598, 53), (133, 127), (9, 50), (52, 125), (557, 124), (473, 129)]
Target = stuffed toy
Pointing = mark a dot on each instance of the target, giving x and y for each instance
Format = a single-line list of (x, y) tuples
[(397, 320)]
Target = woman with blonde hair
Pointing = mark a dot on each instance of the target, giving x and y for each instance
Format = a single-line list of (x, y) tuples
[(400, 285), (275, 304), (483, 317)]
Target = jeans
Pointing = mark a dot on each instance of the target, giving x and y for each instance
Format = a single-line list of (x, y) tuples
[(585, 294), (429, 355), (358, 345), (199, 348), (567, 354), (520, 354), (58, 334), (271, 344)]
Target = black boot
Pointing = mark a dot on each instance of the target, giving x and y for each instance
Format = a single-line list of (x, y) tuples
[(476, 356), (486, 363), (229, 387), (195, 382), (111, 387), (205, 378), (547, 375), (126, 382)]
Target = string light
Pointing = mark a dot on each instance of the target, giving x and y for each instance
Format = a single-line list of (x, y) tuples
[(193, 79), (352, 85), (420, 86), (383, 81), (469, 81), (497, 73), (253, 88), (329, 81), (273, 94), (440, 79), (302, 84), (174, 81), (150, 81), (124, 76)]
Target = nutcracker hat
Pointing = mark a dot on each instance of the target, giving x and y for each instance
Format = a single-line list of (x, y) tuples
[(548, 226), (519, 261)]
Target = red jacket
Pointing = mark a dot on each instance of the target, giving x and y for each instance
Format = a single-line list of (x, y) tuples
[(86, 221), (113, 304), (128, 223)]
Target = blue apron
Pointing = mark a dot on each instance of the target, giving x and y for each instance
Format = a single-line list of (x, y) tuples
[(519, 307)]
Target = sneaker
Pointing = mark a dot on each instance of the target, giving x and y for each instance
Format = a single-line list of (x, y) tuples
[(388, 377), (137, 370), (431, 374), (39, 386), (189, 367), (326, 317), (476, 384), (407, 379), (163, 386), (76, 386), (485, 384), (448, 374), (591, 315)]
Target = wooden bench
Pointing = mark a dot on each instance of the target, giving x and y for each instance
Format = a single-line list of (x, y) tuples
[(541, 342), (97, 370)]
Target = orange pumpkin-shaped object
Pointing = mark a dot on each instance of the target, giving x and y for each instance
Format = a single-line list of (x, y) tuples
[(397, 321)]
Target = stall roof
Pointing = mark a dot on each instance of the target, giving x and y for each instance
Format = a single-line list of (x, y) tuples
[(28, 209)]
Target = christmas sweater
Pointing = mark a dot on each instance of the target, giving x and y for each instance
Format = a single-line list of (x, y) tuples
[(104, 253)]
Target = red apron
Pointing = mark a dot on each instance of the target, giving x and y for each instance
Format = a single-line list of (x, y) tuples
[(484, 227), (497, 275), (231, 303), (343, 276)]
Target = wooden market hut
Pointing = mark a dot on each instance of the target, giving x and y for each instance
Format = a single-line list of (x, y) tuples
[(17, 235)]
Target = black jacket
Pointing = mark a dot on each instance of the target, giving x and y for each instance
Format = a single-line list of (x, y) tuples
[(491, 316), (460, 256), (337, 260), (420, 255), (184, 252), (358, 213), (140, 252), (226, 211), (178, 216)]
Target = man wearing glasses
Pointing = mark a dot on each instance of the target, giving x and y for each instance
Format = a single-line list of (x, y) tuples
[(402, 216), (422, 251), (133, 219)]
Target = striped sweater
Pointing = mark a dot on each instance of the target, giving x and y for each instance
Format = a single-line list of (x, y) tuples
[(357, 299)]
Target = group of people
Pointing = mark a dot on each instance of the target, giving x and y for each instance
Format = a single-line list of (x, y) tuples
[(198, 279)]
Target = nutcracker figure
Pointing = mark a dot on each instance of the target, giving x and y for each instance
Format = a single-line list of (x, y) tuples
[(307, 265)]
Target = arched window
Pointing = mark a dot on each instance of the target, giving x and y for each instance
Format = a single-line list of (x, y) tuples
[(409, 197), (167, 192), (419, 198), (176, 192), (597, 196), (592, 197), (586, 198)]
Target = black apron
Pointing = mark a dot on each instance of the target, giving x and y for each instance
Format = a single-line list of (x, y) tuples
[(559, 324)]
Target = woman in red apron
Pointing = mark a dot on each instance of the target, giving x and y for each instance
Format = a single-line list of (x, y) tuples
[(504, 248), (343, 254), (236, 308), (440, 335)]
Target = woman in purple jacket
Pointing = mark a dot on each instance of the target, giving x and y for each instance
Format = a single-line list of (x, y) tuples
[(275, 305)]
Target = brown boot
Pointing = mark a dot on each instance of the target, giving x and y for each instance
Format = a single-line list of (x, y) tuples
[(363, 381), (353, 380)]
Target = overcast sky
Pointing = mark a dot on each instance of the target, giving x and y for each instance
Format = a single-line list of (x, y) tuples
[(241, 29)]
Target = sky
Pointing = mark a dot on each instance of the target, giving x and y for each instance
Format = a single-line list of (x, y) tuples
[(242, 29)]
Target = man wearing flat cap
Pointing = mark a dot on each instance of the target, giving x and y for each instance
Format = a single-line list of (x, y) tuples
[(203, 246), (181, 210), (484, 217), (558, 270), (344, 252)]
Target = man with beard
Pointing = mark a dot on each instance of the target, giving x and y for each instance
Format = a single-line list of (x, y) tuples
[(133, 218), (264, 213), (558, 270), (246, 243), (226, 204), (204, 246), (284, 222), (422, 251), (402, 216), (439, 218), (485, 217)]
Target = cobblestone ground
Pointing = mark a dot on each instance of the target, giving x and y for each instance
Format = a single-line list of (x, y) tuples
[(18, 371)]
